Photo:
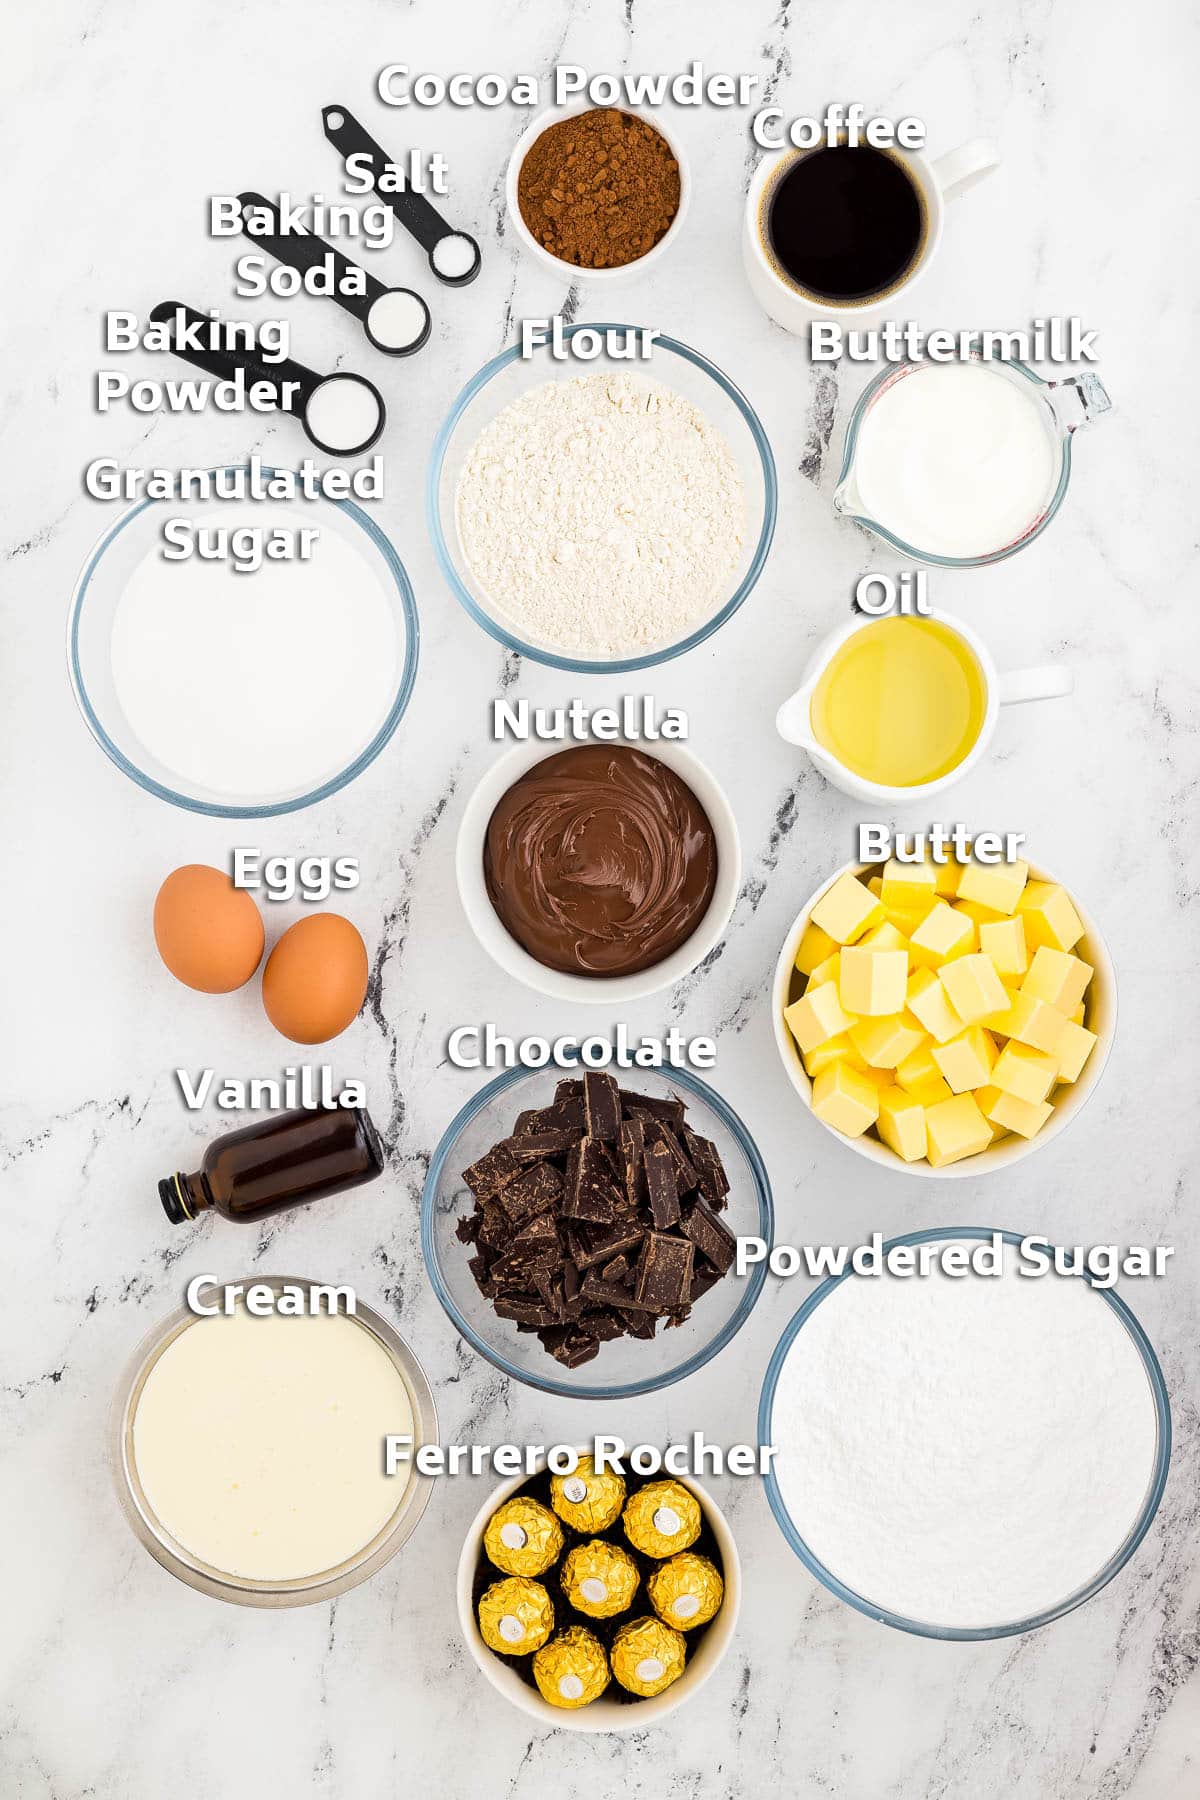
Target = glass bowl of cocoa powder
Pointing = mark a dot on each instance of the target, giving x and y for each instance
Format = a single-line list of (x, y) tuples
[(598, 192)]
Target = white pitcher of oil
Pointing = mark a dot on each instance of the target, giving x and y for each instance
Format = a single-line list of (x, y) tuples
[(900, 707)]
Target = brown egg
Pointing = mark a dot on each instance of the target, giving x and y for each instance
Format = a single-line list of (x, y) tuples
[(315, 980), (209, 933)]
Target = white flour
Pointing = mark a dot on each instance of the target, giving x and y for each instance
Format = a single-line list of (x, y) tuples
[(603, 515), (964, 1452)]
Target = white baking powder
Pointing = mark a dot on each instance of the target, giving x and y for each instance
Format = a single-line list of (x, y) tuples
[(964, 1452), (602, 515), (257, 686)]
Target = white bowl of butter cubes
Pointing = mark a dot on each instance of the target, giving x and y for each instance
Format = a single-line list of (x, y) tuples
[(944, 1018)]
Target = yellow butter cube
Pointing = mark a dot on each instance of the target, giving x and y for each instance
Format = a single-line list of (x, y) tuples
[(880, 1078), (1074, 1048), (845, 1099), (920, 1076), (1058, 978), (829, 970), (815, 946), (1004, 941), (947, 877), (884, 937), (1025, 1117), (1032, 1022), (847, 910), (1079, 1015), (982, 915), (833, 1050), (967, 1060), (901, 1123), (973, 987), (1049, 916), (928, 1002), (998, 885), (955, 1128), (909, 887), (875, 883), (817, 1017), (942, 935), (904, 919), (1027, 1074), (884, 1043), (873, 982)]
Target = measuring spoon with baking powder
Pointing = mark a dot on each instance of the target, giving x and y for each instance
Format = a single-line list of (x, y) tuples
[(396, 320), (454, 256), (343, 415)]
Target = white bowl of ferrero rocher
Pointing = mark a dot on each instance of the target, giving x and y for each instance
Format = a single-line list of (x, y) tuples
[(597, 1599), (944, 1018)]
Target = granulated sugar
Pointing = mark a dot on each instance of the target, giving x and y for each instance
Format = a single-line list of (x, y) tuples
[(603, 515), (965, 1452)]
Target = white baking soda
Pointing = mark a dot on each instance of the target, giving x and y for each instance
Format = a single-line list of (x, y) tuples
[(964, 1451), (956, 459), (256, 686)]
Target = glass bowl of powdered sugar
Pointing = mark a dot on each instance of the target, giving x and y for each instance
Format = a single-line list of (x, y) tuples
[(261, 670), (606, 513)]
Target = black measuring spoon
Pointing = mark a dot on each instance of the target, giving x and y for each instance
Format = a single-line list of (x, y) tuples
[(396, 320), (343, 415), (454, 256)]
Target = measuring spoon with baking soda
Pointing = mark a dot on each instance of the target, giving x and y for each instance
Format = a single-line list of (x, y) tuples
[(454, 256), (342, 414), (396, 320)]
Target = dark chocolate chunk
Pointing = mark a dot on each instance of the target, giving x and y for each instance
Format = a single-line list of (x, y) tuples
[(661, 1185), (602, 1104), (658, 1133), (495, 1228), (569, 1088), (537, 1146), (637, 1324), (569, 1345), (704, 1276), (631, 1141), (586, 1252), (525, 1312), (679, 1318), (617, 1270), (710, 1170), (603, 1325), (492, 1172), (717, 1245), (671, 1111), (664, 1275), (478, 1265), (589, 1193), (467, 1229), (599, 1292), (537, 1190)]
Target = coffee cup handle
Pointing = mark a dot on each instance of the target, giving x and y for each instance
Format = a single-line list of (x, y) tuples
[(1051, 682), (960, 169)]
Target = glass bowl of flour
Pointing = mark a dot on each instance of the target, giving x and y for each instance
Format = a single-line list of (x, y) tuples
[(966, 1450), (260, 672), (603, 514)]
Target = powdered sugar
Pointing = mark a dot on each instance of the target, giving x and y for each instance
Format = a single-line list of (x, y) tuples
[(964, 1451), (603, 515)]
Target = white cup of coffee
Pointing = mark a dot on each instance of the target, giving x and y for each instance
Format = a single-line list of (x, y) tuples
[(827, 238)]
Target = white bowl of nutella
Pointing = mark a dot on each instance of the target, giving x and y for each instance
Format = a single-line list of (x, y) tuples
[(247, 1445), (605, 877), (604, 1713)]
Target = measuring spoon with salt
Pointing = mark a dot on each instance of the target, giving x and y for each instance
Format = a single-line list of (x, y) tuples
[(342, 415), (454, 256), (396, 320)]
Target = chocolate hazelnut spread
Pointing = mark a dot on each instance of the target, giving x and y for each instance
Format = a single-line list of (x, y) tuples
[(600, 861)]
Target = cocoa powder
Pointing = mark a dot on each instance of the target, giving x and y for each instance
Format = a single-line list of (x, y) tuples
[(600, 189)]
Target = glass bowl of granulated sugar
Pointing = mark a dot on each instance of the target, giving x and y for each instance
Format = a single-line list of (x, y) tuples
[(603, 513)]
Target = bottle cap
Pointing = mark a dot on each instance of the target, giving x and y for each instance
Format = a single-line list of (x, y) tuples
[(170, 1192)]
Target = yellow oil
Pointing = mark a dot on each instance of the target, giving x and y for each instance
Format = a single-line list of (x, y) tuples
[(901, 703)]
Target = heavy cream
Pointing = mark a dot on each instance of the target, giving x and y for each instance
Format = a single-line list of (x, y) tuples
[(258, 1442), (956, 459)]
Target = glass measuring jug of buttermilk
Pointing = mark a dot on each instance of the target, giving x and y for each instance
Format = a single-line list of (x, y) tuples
[(963, 463)]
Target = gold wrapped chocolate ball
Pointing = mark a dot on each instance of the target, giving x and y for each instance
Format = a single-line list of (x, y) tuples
[(572, 1669), (600, 1579), (516, 1616), (686, 1591), (523, 1537), (587, 1500), (662, 1517), (647, 1656)]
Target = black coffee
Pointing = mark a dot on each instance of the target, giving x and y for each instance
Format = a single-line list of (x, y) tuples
[(846, 224)]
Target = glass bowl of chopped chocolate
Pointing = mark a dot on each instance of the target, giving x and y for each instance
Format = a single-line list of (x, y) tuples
[(581, 1233)]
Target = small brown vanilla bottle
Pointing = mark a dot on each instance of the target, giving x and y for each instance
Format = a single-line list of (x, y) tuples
[(281, 1162)]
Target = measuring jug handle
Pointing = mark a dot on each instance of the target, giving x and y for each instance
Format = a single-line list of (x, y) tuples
[(960, 169), (1079, 400), (1051, 682)]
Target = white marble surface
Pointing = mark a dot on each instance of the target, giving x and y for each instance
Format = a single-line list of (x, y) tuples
[(119, 116)]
